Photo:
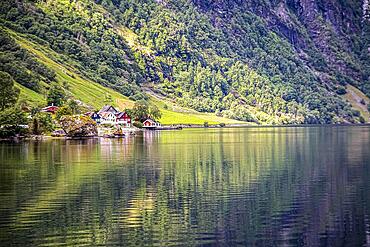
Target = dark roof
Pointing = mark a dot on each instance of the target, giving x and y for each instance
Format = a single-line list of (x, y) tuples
[(108, 108), (121, 114), (91, 114), (106, 114)]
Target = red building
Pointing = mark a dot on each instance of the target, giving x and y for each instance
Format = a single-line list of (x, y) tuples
[(149, 123), (51, 109), (124, 119)]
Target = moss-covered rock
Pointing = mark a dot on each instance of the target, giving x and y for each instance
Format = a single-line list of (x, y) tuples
[(78, 126)]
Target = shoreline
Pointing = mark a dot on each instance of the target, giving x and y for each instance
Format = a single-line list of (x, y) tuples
[(194, 126), (180, 127)]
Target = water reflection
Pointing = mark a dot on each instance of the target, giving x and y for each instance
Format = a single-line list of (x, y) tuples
[(259, 186)]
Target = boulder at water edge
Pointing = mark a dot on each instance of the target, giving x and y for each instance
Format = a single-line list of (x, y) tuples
[(75, 126)]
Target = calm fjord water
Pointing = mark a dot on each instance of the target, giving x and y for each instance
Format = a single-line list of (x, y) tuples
[(223, 187)]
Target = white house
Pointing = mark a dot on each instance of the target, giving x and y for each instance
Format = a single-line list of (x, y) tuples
[(108, 118)]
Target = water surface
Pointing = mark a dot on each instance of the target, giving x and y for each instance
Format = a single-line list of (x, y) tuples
[(195, 187)]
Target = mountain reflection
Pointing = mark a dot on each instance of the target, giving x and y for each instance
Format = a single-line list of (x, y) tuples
[(257, 186)]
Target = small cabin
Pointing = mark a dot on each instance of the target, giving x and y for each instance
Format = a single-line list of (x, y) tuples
[(149, 123), (50, 109), (124, 119)]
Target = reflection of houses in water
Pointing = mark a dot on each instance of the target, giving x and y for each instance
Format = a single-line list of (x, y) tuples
[(79, 149), (116, 148), (147, 145), (150, 137)]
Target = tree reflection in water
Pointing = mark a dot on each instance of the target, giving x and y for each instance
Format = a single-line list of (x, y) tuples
[(257, 186)]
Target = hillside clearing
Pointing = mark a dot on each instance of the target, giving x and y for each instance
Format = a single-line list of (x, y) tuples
[(355, 96)]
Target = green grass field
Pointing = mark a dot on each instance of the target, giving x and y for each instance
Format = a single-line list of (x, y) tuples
[(93, 94), (30, 96), (354, 96), (187, 116)]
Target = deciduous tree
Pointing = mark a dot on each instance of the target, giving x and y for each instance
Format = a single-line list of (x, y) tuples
[(8, 93)]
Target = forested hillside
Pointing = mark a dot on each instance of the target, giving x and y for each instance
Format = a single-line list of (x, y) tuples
[(274, 62)]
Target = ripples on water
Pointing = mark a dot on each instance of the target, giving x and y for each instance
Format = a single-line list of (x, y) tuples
[(225, 187)]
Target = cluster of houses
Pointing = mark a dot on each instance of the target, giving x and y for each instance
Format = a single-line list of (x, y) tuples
[(110, 116)]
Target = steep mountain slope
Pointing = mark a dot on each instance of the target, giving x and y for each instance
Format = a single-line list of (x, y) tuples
[(268, 62), (93, 94), (332, 37)]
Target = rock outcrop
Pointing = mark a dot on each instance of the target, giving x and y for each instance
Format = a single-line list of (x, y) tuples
[(78, 126), (331, 37)]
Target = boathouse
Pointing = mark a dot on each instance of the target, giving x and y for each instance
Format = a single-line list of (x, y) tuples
[(150, 124)]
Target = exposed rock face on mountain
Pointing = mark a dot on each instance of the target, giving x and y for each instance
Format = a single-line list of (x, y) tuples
[(335, 32)]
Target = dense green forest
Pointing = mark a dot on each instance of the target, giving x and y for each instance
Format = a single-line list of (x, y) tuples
[(211, 56)]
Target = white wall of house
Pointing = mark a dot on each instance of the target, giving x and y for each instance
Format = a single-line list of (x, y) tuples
[(123, 122), (109, 119)]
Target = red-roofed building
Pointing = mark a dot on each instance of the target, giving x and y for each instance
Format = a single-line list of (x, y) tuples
[(50, 109), (150, 124), (124, 119)]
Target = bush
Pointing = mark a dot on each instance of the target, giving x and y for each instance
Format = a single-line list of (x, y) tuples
[(362, 119), (63, 111), (138, 124), (341, 91), (218, 113), (356, 113), (41, 123), (56, 94), (206, 125), (137, 97), (12, 121), (222, 125)]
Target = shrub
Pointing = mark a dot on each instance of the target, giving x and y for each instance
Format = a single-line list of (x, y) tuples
[(341, 91), (218, 113), (56, 94), (137, 97), (206, 125), (12, 121), (356, 113), (41, 123), (138, 124), (63, 111)]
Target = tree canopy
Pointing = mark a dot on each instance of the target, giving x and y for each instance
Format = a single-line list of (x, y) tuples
[(8, 93)]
